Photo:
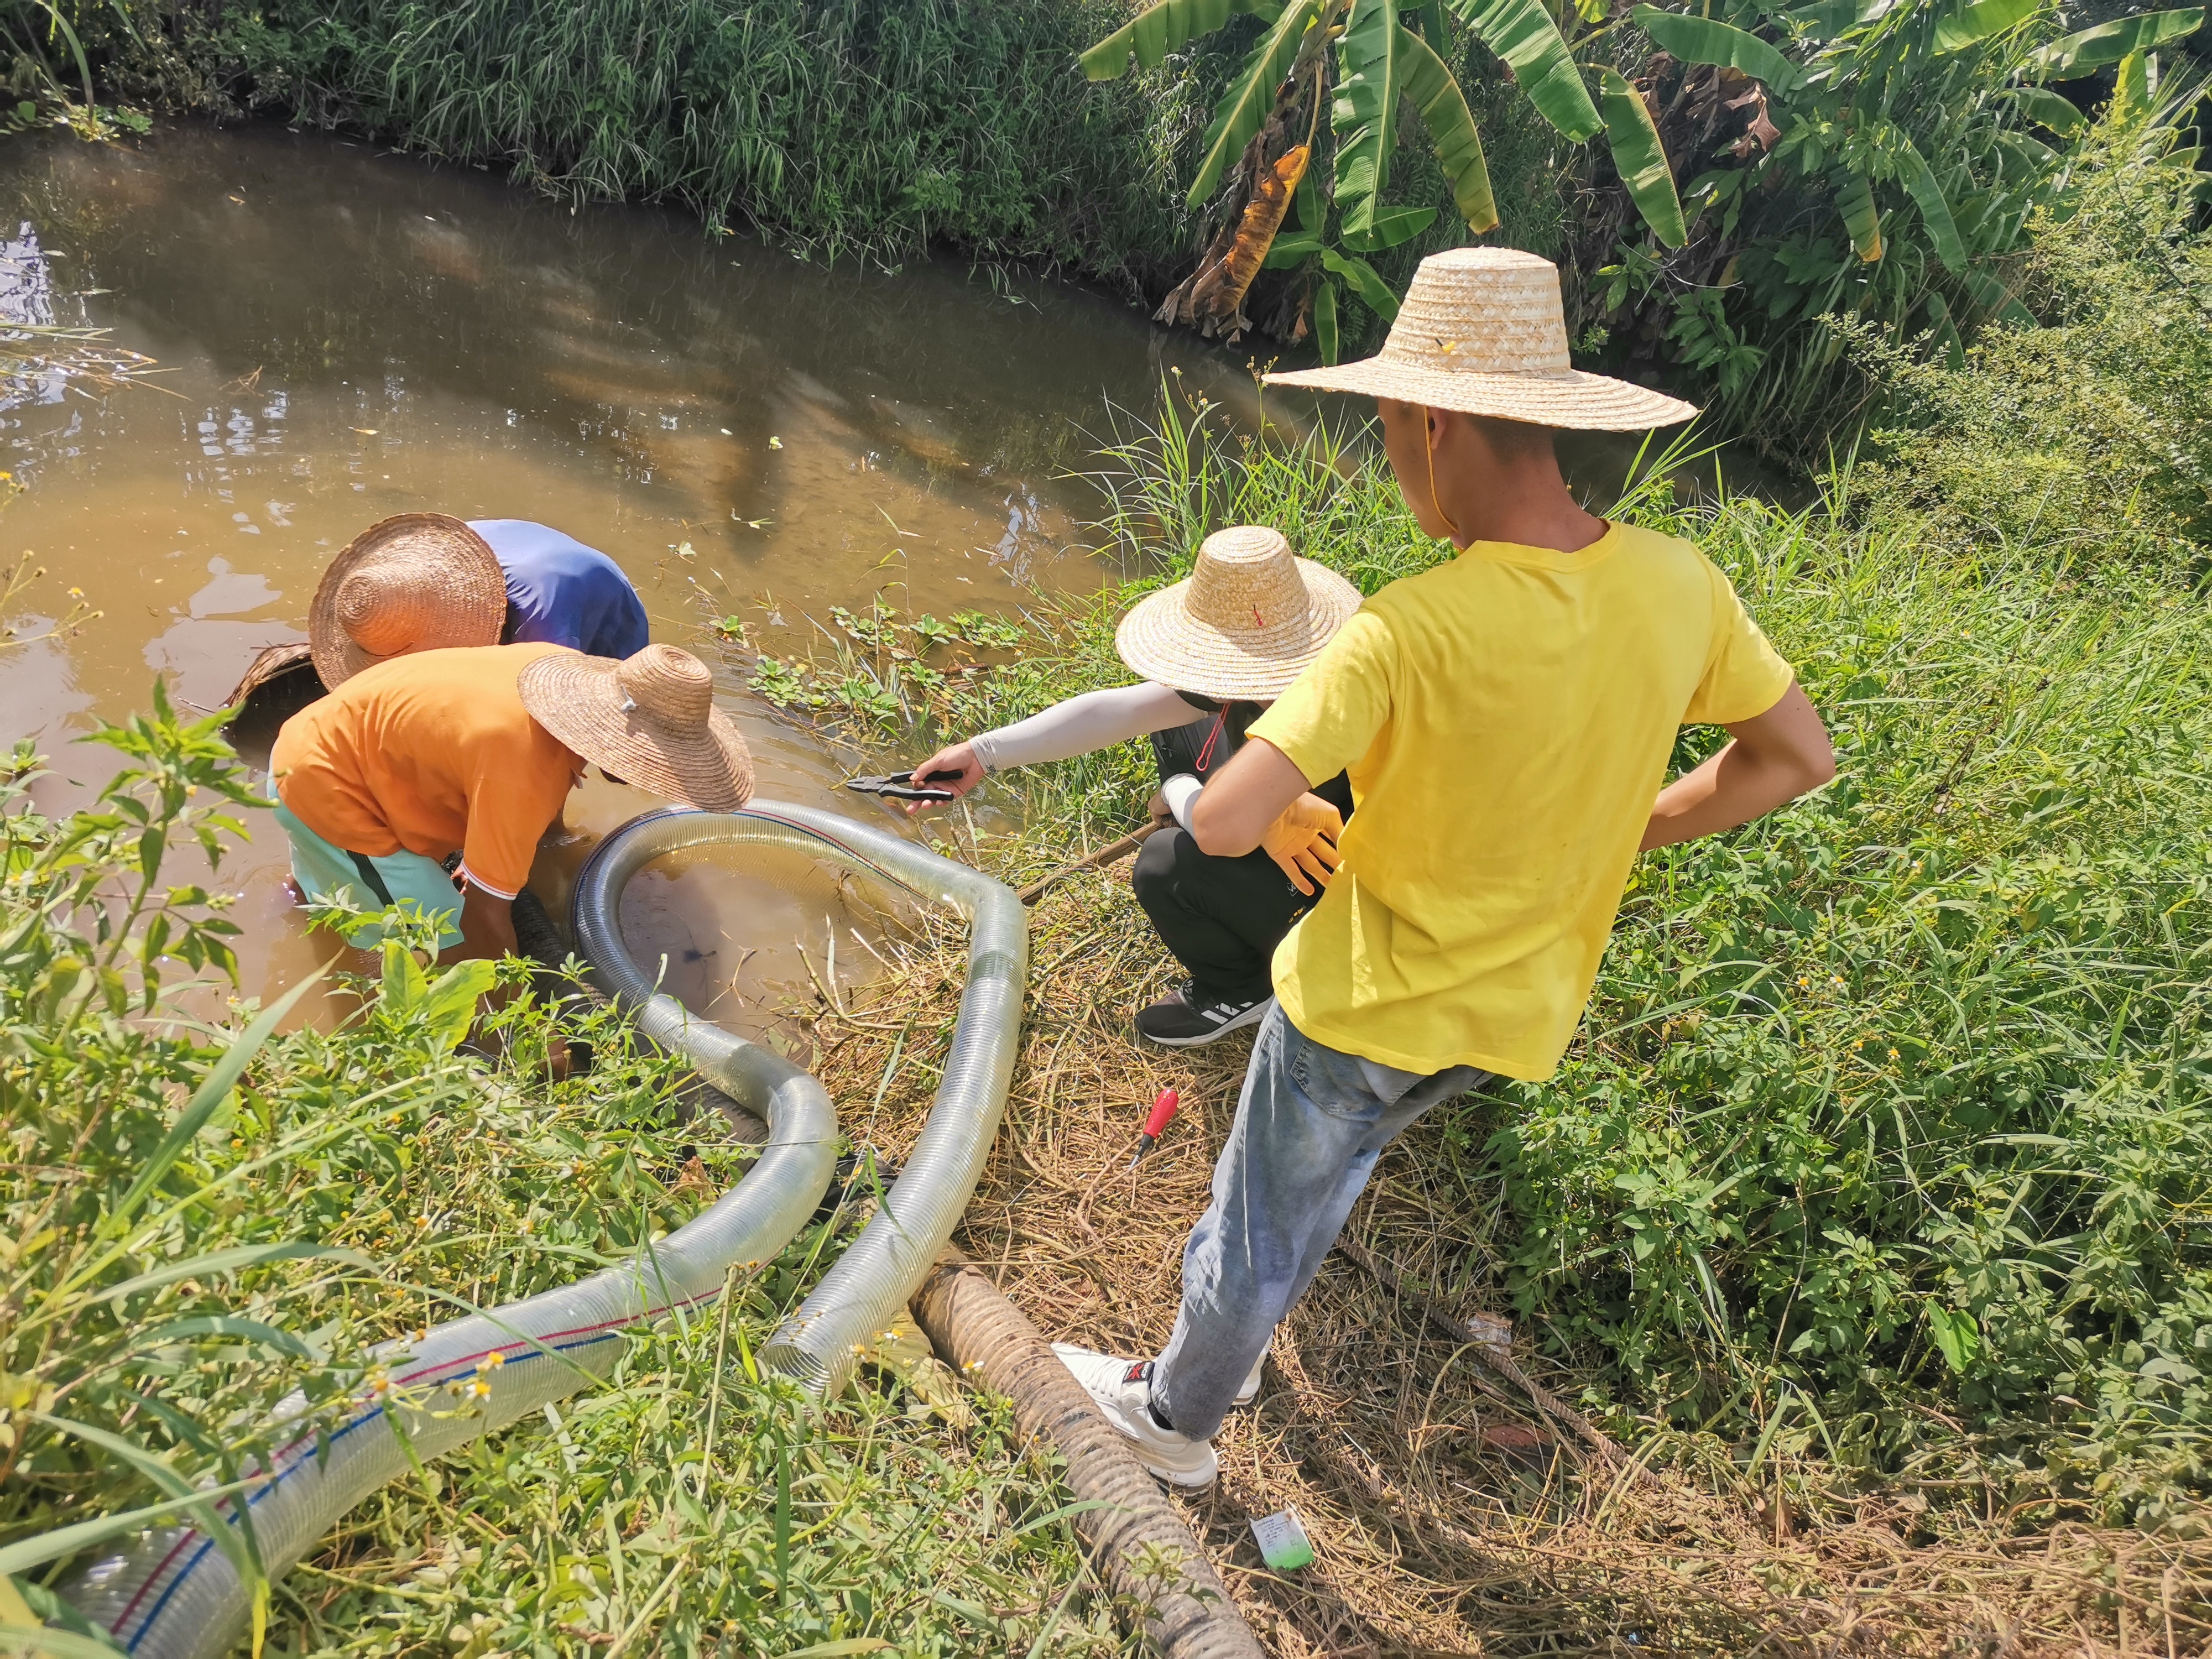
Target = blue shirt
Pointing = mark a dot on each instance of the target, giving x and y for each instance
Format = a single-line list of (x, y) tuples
[(560, 592)]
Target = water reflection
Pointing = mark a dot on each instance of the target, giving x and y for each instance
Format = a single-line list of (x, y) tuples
[(345, 335)]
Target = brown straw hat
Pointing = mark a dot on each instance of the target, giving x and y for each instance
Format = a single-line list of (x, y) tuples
[(650, 720), (1243, 624), (1482, 332), (420, 581)]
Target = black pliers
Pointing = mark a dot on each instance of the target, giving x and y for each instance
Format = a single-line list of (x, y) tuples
[(900, 785)]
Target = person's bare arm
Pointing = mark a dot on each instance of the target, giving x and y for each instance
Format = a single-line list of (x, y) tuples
[(1297, 829), (487, 927), (1772, 759), (1244, 799), (488, 935)]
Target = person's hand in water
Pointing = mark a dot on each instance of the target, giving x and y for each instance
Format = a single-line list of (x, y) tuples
[(1302, 843), (959, 757)]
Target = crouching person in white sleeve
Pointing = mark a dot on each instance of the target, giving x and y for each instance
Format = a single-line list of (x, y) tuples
[(1215, 650)]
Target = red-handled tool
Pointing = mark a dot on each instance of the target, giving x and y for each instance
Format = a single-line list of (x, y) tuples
[(1155, 1121)]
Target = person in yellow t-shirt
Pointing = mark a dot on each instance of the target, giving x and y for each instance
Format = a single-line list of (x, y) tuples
[(1506, 720)]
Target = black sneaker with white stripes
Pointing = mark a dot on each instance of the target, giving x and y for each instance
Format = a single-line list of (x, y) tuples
[(1181, 1019)]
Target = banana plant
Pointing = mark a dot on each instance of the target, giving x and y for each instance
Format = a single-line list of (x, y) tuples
[(1365, 61), (1850, 157), (1341, 262)]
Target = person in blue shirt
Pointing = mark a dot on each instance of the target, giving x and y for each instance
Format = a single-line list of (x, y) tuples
[(560, 592), (556, 592)]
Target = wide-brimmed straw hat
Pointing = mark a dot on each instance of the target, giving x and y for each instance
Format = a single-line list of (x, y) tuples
[(1482, 332), (421, 581), (1243, 624), (650, 720)]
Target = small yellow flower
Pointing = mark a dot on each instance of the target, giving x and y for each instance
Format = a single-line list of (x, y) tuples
[(1892, 1054), (480, 1388), (492, 1361), (380, 1384)]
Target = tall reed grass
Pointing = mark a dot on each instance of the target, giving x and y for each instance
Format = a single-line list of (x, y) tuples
[(855, 127)]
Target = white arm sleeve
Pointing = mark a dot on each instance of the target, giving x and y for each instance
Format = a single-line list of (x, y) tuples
[(1182, 794), (1082, 724)]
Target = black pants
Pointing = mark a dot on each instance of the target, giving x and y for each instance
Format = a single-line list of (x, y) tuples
[(1222, 917)]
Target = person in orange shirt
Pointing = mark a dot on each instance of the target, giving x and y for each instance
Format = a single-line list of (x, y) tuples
[(473, 751)]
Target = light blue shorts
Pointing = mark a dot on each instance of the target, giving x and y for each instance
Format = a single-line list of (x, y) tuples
[(331, 875)]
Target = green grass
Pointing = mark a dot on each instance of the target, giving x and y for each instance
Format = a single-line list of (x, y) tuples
[(1888, 1135), (377, 1178)]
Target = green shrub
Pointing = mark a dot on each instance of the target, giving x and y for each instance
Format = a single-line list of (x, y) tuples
[(1891, 1112), (2089, 439)]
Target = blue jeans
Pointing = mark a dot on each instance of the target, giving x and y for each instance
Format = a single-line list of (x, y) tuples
[(1309, 1126)]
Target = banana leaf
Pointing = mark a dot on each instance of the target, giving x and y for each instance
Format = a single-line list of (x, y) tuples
[(1522, 33), (1324, 322), (1829, 20), (1928, 195), (1703, 40), (1365, 115), (1155, 32), (1392, 225), (1374, 293), (1854, 201), (1244, 106), (1997, 300), (1256, 234), (2108, 43), (2046, 108), (1294, 248), (1970, 26), (1640, 158), (1435, 92)]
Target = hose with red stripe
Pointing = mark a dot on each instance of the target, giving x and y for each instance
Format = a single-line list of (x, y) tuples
[(173, 1593)]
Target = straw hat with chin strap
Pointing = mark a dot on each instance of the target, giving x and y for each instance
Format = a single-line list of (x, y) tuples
[(649, 720), (1482, 332), (1241, 627), (420, 581)]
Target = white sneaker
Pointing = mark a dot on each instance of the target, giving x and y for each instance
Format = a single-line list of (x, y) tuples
[(1251, 1390), (1123, 1389)]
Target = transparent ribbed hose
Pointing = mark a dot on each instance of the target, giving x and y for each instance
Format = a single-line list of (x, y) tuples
[(872, 1280), (174, 1594)]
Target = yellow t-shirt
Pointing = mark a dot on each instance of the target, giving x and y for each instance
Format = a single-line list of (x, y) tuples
[(1507, 720)]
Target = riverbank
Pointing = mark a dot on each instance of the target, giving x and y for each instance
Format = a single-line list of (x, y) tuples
[(1862, 1215), (878, 130), (1859, 1212)]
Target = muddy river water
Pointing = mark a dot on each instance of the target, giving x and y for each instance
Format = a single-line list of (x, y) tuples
[(343, 334)]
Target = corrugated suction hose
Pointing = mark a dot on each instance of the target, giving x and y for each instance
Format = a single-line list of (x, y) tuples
[(1146, 1552)]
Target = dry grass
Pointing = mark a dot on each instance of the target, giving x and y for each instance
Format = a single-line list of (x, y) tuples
[(1446, 1517)]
